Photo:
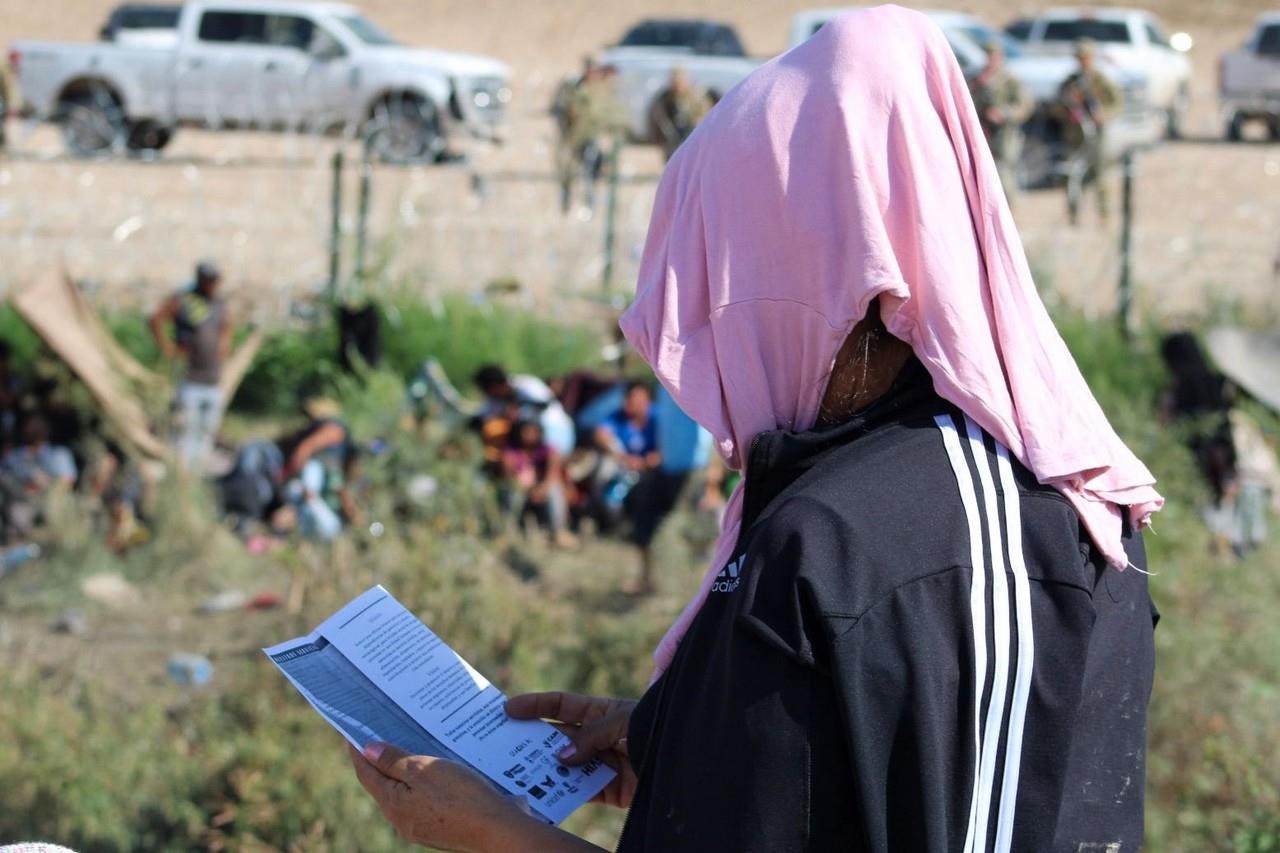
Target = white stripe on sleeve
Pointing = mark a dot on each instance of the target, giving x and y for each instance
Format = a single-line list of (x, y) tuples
[(977, 608), (1026, 652), (999, 628)]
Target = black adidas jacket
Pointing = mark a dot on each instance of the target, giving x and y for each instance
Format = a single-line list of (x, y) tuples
[(914, 647)]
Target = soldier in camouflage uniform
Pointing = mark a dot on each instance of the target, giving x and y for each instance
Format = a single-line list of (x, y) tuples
[(1086, 103), (591, 120), (1002, 106), (677, 111)]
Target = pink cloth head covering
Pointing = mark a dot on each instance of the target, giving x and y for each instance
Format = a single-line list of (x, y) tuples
[(849, 168)]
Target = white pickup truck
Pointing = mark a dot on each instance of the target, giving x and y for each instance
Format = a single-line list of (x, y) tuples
[(1131, 40), (1041, 75), (1249, 81), (967, 34), (708, 52), (263, 64)]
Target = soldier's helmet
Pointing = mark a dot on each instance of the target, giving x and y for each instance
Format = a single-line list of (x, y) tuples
[(1085, 48)]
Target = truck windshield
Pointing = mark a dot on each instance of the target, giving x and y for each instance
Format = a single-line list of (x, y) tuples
[(1269, 40), (147, 18), (367, 31), (1115, 32), (694, 36), (983, 35)]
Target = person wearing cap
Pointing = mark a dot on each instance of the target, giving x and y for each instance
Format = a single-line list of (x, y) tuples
[(1086, 102), (1002, 105), (193, 327)]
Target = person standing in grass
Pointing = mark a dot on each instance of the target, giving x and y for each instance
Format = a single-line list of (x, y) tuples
[(194, 327), (926, 626)]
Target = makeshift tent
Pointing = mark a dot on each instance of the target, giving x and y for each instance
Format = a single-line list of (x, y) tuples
[(1250, 360), (56, 309)]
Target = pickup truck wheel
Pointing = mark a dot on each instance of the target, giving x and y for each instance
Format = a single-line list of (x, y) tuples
[(1176, 117), (93, 122), (148, 136), (1235, 128), (404, 129)]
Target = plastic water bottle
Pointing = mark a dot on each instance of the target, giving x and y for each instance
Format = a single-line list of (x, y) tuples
[(13, 557), (187, 669)]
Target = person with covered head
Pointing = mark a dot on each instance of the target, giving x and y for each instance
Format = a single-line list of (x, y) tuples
[(926, 626)]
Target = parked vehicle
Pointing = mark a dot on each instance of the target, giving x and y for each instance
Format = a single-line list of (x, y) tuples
[(259, 64), (142, 25), (1132, 40), (968, 35), (1249, 80), (1018, 29), (1041, 74), (710, 53)]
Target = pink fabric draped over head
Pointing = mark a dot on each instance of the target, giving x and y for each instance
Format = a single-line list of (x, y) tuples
[(849, 168)]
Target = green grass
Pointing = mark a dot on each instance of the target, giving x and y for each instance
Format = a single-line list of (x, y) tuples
[(99, 752)]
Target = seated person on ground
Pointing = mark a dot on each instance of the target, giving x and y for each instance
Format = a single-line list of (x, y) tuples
[(534, 479), (530, 397), (251, 490), (630, 434), (319, 464), (37, 465)]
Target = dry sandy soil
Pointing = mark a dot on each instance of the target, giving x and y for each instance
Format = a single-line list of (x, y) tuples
[(1208, 214)]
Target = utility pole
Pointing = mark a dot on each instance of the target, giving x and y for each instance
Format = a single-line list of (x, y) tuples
[(1126, 245), (611, 218), (362, 215), (335, 227)]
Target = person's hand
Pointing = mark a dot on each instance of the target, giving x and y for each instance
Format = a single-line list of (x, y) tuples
[(598, 728), (436, 802)]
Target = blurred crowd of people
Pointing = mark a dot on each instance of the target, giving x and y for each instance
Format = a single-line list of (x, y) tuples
[(50, 447), (586, 452)]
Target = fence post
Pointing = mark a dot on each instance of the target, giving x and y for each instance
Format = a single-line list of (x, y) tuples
[(611, 217), (362, 216), (335, 227), (1126, 245)]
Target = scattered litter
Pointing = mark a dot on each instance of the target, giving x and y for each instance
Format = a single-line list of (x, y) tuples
[(421, 489), (187, 669), (13, 557), (70, 622), (232, 599), (111, 589), (128, 228), (264, 601)]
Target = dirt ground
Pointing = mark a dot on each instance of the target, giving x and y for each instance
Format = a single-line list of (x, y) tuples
[(1207, 227)]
